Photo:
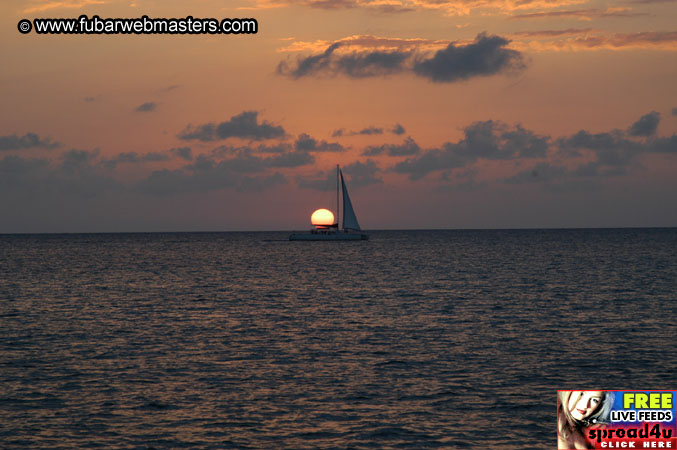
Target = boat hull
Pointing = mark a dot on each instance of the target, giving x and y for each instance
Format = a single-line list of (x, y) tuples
[(328, 237)]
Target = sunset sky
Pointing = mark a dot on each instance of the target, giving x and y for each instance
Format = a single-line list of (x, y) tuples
[(442, 114)]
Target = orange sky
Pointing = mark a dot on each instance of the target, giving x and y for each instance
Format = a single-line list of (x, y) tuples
[(444, 114)]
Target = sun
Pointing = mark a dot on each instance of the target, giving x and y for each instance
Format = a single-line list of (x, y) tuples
[(322, 218)]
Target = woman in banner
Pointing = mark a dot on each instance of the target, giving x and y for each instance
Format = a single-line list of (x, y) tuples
[(579, 411)]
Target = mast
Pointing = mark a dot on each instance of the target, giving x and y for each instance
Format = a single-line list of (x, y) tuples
[(338, 215)]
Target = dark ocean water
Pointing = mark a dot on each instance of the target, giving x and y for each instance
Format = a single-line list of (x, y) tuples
[(414, 340)]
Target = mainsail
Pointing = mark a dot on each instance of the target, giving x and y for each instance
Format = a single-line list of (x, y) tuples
[(349, 218)]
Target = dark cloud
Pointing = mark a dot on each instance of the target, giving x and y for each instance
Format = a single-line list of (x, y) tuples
[(663, 145), (243, 172), (581, 14), (489, 139), (182, 152), (332, 4), (74, 160), (170, 88), (146, 107), (613, 151), (674, 111), (310, 65), (541, 173), (261, 183), (398, 129), (407, 148), (322, 181), (75, 174), (309, 144), (460, 181), (90, 99), (363, 173), (354, 65), (244, 125), (646, 125), (488, 55), (281, 155), (290, 159), (135, 158), (28, 140), (371, 64), (370, 131), (349, 4), (553, 33), (15, 169), (226, 150)]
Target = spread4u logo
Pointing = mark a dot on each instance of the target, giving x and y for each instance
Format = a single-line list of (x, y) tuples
[(616, 419)]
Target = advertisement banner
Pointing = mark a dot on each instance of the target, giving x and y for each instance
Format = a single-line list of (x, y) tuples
[(616, 419)]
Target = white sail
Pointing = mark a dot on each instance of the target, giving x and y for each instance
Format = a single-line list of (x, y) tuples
[(349, 218)]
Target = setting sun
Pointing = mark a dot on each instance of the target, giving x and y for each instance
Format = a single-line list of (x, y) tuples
[(322, 218)]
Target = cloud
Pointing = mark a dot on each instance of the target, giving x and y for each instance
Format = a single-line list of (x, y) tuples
[(660, 40), (309, 65), (488, 55), (449, 7), (18, 172), (674, 111), (646, 125), (74, 174), (135, 158), (307, 143), (541, 173), (376, 6), (354, 65), (368, 131), (607, 154), (553, 33), (28, 140), (290, 159), (281, 155), (243, 172), (581, 14), (363, 173), (47, 5), (408, 147), (464, 180), (182, 152), (372, 64), (258, 184), (244, 125), (664, 145), (557, 163), (367, 43), (146, 107), (489, 140), (169, 88), (322, 181), (398, 129)]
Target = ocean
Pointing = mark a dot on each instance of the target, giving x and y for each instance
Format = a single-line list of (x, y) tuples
[(411, 340)]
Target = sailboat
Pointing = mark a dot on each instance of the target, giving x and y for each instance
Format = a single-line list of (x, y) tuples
[(350, 229)]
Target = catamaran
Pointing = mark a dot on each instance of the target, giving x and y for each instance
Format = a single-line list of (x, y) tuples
[(350, 229)]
